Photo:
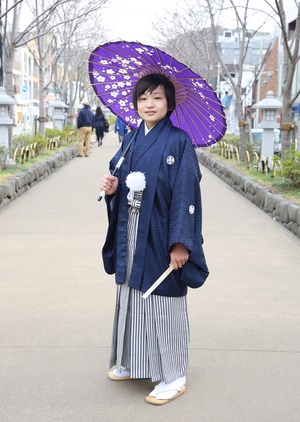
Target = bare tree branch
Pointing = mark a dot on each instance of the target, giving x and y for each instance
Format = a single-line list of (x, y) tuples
[(10, 9)]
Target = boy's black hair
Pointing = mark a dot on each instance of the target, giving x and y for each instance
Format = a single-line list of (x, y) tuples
[(149, 83)]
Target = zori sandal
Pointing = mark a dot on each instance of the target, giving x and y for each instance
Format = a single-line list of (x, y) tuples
[(163, 392), (123, 375), (163, 398)]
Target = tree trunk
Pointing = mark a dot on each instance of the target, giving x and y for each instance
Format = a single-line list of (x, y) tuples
[(71, 104), (290, 59), (42, 108), (9, 88), (9, 50), (286, 117), (286, 122), (242, 123)]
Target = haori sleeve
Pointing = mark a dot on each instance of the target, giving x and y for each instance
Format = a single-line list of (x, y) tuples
[(186, 210), (186, 219)]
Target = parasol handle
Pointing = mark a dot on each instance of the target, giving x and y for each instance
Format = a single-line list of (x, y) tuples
[(102, 195), (158, 281), (119, 163)]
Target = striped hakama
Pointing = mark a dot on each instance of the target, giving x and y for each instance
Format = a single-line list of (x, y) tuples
[(150, 336)]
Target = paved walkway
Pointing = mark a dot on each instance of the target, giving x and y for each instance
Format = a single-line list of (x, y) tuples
[(56, 309)]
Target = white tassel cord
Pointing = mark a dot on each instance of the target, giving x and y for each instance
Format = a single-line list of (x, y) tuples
[(136, 182)]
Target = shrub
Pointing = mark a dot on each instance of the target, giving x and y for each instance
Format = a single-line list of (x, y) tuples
[(52, 133), (232, 139), (65, 132), (291, 167), (25, 140), (39, 139), (20, 141)]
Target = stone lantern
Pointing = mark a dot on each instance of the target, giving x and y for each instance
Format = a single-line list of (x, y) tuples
[(5, 121), (269, 107), (58, 113)]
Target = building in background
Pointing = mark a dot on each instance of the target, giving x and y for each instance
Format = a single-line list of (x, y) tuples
[(253, 70), (266, 79), (26, 86)]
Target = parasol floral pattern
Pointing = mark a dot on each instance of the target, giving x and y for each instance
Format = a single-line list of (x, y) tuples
[(115, 67)]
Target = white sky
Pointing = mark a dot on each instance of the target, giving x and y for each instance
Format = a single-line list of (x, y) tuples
[(131, 20)]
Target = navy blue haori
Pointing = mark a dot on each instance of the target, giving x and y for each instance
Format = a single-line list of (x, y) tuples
[(170, 212)]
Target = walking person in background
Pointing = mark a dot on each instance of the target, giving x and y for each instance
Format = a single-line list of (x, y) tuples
[(120, 128), (99, 124), (84, 126), (155, 220)]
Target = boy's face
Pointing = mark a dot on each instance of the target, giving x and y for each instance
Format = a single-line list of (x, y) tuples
[(152, 107)]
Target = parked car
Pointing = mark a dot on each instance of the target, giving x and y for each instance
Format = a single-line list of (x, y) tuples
[(257, 140)]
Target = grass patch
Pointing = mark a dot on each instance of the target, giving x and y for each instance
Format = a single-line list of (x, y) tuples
[(18, 168), (278, 185)]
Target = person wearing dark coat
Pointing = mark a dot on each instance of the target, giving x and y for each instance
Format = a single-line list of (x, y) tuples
[(99, 124), (84, 126), (155, 220)]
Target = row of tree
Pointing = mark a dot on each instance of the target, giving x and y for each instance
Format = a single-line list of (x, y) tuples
[(71, 30), (54, 31), (186, 31)]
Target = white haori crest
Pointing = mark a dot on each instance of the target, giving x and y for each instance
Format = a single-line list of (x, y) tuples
[(191, 209), (170, 160), (136, 182)]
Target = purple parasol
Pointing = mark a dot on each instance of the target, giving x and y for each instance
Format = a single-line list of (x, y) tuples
[(115, 67)]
